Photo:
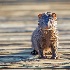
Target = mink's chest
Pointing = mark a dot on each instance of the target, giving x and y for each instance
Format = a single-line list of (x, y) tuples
[(47, 38)]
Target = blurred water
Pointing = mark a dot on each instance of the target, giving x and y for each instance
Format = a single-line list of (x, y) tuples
[(31, 1)]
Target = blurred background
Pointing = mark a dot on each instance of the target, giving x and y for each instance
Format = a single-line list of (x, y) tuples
[(18, 19)]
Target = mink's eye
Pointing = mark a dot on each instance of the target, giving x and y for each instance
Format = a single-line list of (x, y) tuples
[(38, 24)]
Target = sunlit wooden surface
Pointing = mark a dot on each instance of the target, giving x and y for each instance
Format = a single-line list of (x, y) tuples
[(18, 21)]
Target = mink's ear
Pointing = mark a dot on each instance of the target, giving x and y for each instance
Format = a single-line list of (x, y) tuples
[(39, 16), (54, 14)]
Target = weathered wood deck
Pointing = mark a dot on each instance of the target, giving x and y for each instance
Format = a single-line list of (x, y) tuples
[(17, 23)]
